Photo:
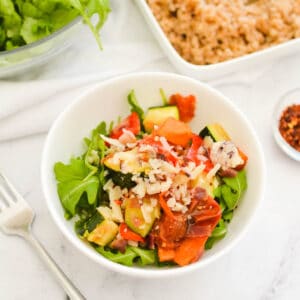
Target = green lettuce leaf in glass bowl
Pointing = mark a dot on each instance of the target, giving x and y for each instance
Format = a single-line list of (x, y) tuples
[(32, 31)]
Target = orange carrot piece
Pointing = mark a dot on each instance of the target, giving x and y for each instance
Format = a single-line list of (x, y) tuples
[(166, 254), (164, 206), (244, 157), (190, 250), (176, 132)]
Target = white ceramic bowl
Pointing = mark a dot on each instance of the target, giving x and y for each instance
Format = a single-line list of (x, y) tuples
[(108, 101), (207, 72), (286, 100)]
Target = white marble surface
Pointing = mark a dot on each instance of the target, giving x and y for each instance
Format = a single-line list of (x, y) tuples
[(265, 265)]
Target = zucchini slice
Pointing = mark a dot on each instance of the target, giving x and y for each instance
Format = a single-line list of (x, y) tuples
[(104, 233), (216, 132), (158, 114)]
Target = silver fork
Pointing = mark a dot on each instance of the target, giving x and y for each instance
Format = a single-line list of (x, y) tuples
[(16, 217)]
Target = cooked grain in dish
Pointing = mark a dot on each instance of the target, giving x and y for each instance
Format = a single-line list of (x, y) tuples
[(212, 31)]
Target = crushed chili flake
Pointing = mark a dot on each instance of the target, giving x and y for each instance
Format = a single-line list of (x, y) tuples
[(289, 125)]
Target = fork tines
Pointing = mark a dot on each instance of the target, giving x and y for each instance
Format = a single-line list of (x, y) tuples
[(8, 193)]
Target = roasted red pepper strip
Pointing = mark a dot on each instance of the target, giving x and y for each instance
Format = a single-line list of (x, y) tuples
[(131, 123), (208, 165), (128, 234), (150, 140), (119, 202), (193, 151)]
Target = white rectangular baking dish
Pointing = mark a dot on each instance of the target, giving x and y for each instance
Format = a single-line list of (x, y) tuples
[(214, 71)]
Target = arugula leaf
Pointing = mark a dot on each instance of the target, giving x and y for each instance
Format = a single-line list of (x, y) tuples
[(130, 256), (94, 155), (100, 7), (145, 257), (237, 183), (218, 233), (228, 194), (164, 97), (125, 258), (230, 197), (73, 182), (135, 107), (76, 170), (227, 216), (233, 189), (93, 7), (96, 147)]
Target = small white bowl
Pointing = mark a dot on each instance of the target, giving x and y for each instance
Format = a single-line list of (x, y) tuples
[(108, 101), (286, 100)]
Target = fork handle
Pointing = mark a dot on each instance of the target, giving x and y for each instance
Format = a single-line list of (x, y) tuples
[(64, 281)]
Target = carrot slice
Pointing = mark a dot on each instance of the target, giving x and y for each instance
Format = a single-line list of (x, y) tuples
[(166, 254), (190, 250), (244, 157), (176, 132), (164, 206)]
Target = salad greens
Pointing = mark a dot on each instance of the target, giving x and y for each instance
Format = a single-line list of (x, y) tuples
[(101, 192), (135, 107), (228, 195), (26, 21), (83, 174), (130, 256), (73, 181)]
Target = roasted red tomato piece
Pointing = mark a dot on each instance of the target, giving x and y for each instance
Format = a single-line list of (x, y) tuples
[(131, 123), (186, 106)]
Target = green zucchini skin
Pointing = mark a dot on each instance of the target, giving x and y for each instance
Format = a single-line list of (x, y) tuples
[(158, 114)]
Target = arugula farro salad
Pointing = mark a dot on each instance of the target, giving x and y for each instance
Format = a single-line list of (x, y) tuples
[(150, 191)]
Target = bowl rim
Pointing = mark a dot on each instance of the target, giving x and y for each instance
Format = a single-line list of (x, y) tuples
[(140, 272), (236, 60), (41, 41)]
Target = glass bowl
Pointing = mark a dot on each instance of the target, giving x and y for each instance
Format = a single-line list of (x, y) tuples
[(21, 59), (290, 98)]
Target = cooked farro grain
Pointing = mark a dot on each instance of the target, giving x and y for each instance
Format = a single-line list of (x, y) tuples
[(212, 31)]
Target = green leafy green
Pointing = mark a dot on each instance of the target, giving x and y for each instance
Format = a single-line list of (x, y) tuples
[(164, 97), (84, 176), (26, 21), (135, 107), (228, 194), (130, 256), (88, 8), (96, 147), (73, 182), (121, 179), (218, 233), (88, 224), (233, 189), (94, 155)]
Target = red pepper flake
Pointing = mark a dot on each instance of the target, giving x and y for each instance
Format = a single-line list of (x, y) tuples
[(118, 202), (289, 125)]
